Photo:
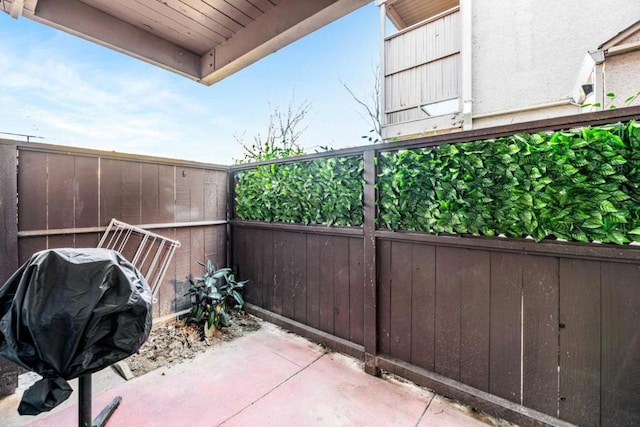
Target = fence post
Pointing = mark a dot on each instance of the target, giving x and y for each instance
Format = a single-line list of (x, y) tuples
[(8, 210), (370, 281)]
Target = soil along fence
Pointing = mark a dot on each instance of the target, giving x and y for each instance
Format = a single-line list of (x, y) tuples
[(65, 197), (465, 262)]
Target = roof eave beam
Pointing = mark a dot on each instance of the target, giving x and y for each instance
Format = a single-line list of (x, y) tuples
[(17, 7), (82, 20), (289, 21)]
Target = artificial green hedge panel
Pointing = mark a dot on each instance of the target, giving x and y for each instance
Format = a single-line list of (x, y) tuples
[(581, 185), (322, 191)]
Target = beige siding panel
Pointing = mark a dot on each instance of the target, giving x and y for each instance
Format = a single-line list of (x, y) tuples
[(432, 82), (423, 44), (422, 65)]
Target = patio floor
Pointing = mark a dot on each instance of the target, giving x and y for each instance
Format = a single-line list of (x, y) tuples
[(267, 377)]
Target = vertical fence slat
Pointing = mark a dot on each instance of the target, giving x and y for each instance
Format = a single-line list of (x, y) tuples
[(183, 268), (620, 344), (356, 290), (32, 187), (313, 281), (252, 271), (8, 211), (423, 292), (196, 195), (327, 260), (131, 192), (60, 198), (475, 318), (341, 287), (400, 322), (447, 344), (299, 248), (580, 341), (110, 190), (266, 245), (288, 284), (506, 316), (371, 332), (540, 323), (149, 193), (86, 194), (167, 292), (384, 296), (278, 279)]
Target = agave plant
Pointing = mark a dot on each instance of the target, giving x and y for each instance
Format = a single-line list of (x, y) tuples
[(214, 296)]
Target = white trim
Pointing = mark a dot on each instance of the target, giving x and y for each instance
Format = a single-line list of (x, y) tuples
[(560, 103), (466, 63)]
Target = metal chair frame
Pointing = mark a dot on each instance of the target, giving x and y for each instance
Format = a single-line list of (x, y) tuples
[(152, 254)]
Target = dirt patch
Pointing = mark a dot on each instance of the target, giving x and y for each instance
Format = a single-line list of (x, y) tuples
[(176, 342)]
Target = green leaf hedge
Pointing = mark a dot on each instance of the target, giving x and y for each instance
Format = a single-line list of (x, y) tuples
[(322, 191), (581, 185)]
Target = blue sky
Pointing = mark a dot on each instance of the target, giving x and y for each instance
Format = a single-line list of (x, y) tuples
[(72, 92)]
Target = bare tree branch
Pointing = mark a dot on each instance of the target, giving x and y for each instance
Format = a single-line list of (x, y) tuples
[(283, 132), (372, 113)]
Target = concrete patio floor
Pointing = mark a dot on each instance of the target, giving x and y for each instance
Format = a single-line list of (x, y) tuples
[(266, 378)]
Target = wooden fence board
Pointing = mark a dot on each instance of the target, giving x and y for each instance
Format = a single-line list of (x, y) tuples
[(183, 194), (166, 189), (196, 194), (475, 318), (400, 326), (580, 341), (620, 345), (8, 212), (313, 280), (341, 292), (184, 267), (110, 190), (448, 301), (384, 296), (327, 251), (287, 280), (131, 193), (299, 248), (60, 200), (356, 290), (32, 187), (166, 303), (279, 266), (423, 298), (86, 193), (266, 244), (540, 323), (149, 193), (506, 316), (252, 270)]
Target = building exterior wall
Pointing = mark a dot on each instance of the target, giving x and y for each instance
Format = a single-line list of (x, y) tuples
[(622, 77), (530, 52)]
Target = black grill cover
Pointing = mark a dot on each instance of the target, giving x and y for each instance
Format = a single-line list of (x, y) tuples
[(70, 312)]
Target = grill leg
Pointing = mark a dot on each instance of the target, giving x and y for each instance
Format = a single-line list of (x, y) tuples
[(84, 401), (84, 405)]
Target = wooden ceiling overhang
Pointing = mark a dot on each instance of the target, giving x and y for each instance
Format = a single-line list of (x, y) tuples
[(203, 40)]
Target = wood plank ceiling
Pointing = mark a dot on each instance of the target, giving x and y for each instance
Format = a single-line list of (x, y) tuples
[(405, 13), (205, 40)]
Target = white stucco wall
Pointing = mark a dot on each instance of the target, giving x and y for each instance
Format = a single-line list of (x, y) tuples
[(528, 52)]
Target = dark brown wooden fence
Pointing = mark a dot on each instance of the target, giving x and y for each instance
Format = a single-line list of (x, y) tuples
[(66, 196), (538, 333)]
